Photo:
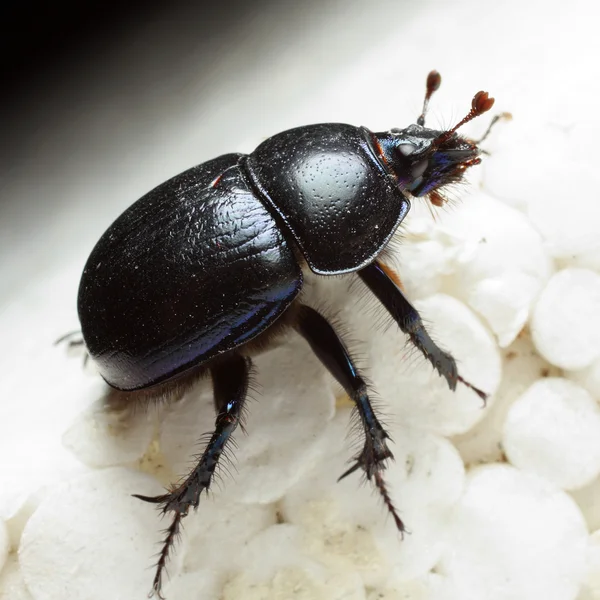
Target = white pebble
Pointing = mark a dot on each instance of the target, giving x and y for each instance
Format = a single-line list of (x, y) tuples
[(569, 228), (417, 395), (589, 378), (544, 156), (103, 438), (204, 585), (224, 526), (566, 319), (12, 584), (504, 302), (4, 543), (90, 539), (34, 415), (501, 265), (424, 256), (587, 500), (515, 537), (568, 222), (522, 366), (553, 430), (345, 522), (276, 566), (591, 587)]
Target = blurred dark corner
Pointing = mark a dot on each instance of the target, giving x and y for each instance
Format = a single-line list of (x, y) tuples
[(46, 48), (41, 42)]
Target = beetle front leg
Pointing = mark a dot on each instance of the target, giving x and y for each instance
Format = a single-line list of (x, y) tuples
[(380, 279), (230, 382), (332, 352)]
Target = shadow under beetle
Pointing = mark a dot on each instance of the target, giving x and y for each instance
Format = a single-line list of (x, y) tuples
[(205, 269)]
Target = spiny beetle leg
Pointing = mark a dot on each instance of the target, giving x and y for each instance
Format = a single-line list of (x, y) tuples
[(381, 280), (332, 352), (230, 382)]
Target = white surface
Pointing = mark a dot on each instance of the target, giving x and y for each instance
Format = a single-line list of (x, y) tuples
[(4, 544), (553, 430), (161, 101), (500, 505), (565, 323), (89, 516)]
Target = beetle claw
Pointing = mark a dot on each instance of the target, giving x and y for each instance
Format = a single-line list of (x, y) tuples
[(153, 499)]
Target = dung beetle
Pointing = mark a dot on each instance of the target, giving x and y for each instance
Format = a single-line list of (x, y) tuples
[(206, 269)]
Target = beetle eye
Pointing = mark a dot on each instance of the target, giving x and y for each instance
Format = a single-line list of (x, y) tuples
[(415, 184), (419, 168), (406, 149)]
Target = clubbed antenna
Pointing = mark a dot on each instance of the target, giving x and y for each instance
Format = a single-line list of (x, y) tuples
[(480, 104), (434, 79)]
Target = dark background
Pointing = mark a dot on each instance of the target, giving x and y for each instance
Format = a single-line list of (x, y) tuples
[(41, 44)]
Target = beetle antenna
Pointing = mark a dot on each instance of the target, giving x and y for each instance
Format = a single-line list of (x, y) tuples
[(434, 79), (506, 116), (480, 104)]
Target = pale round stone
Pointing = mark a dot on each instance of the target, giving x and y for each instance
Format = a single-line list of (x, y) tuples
[(500, 263), (515, 536), (520, 187), (276, 566), (102, 438), (522, 366), (504, 302), (553, 430), (346, 525), (12, 585), (90, 539), (4, 543), (589, 378), (224, 526), (591, 587), (566, 319), (587, 500)]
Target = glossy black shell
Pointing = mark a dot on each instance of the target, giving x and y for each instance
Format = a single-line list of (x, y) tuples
[(187, 272), (327, 184), (205, 262)]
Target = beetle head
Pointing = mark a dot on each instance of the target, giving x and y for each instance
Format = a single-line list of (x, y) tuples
[(424, 160)]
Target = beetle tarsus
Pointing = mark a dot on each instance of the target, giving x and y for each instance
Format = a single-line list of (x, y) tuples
[(373, 468), (380, 485), (171, 534)]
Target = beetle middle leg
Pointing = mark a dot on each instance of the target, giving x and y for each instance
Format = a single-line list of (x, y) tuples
[(230, 381), (332, 352), (74, 340), (383, 282)]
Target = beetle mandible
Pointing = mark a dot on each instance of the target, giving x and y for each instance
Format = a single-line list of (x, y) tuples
[(205, 269)]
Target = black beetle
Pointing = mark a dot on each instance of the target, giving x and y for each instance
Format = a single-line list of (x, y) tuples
[(206, 268)]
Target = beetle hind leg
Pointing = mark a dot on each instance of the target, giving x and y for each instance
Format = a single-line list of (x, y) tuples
[(230, 381), (332, 352), (74, 341)]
